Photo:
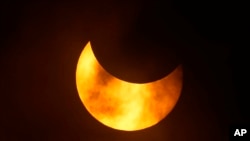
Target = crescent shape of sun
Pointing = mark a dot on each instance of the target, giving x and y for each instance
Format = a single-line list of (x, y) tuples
[(123, 105)]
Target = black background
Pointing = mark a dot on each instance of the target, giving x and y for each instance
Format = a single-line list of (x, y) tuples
[(41, 42)]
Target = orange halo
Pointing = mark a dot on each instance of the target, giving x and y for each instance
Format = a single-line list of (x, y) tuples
[(123, 105)]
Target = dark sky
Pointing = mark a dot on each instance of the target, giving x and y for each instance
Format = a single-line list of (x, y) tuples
[(138, 41)]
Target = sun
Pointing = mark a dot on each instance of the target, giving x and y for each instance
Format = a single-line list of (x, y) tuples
[(123, 105)]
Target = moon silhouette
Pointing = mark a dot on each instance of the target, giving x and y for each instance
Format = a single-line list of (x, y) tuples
[(124, 105)]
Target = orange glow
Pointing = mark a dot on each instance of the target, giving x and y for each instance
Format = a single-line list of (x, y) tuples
[(123, 105)]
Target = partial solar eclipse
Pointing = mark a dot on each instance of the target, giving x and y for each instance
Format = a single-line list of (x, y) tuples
[(124, 105)]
